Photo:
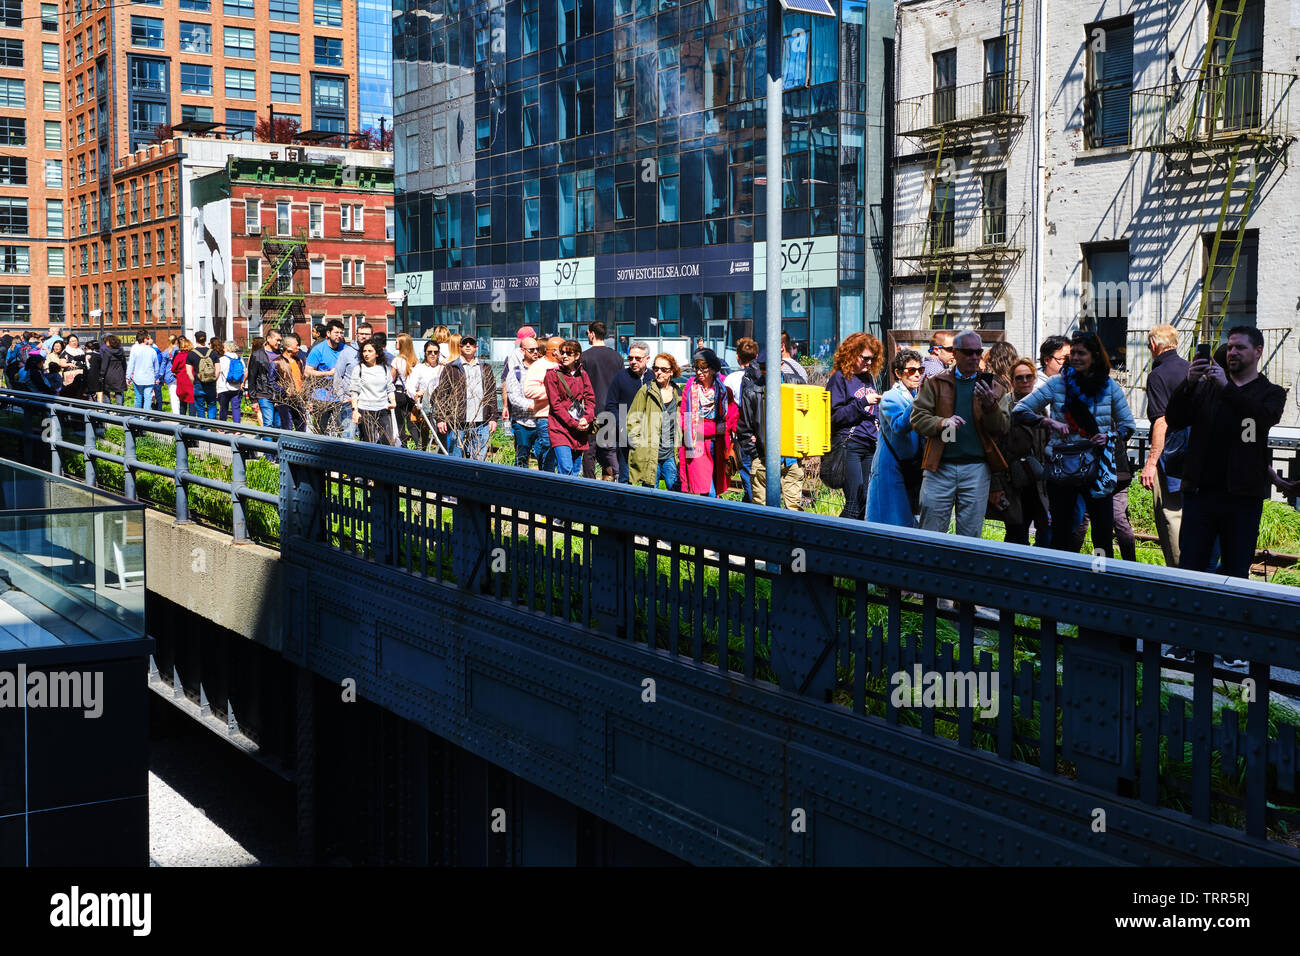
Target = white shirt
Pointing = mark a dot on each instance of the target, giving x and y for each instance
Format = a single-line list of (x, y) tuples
[(732, 382), (423, 379)]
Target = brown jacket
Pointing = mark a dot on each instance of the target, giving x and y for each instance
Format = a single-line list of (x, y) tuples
[(936, 401)]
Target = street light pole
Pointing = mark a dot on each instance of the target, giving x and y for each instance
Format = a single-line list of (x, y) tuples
[(772, 409)]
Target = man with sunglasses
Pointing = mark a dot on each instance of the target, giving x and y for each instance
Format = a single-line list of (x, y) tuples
[(465, 402), (958, 414), (618, 399), (940, 358), (531, 436), (535, 392)]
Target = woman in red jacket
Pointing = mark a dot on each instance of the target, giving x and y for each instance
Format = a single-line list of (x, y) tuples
[(184, 383), (573, 412), (709, 415)]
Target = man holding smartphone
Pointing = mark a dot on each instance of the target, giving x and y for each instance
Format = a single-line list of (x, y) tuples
[(1226, 470)]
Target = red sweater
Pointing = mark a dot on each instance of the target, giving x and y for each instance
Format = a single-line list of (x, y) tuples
[(563, 428)]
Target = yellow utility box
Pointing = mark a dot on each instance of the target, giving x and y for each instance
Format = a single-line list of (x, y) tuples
[(805, 421)]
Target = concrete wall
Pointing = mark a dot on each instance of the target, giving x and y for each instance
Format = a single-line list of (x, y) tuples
[(236, 586)]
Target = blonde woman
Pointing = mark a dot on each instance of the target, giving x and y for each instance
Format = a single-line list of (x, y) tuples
[(441, 337), (453, 349), (404, 363)]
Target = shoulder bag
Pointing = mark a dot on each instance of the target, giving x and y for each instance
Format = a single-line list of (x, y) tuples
[(911, 469), (835, 465), (1072, 463)]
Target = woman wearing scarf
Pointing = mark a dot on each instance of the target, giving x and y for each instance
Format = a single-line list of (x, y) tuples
[(887, 498), (1085, 402), (708, 417), (854, 401), (573, 409)]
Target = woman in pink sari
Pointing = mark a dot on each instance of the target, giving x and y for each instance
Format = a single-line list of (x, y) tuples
[(709, 414)]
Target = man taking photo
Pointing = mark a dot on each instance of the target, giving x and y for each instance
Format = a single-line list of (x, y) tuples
[(1226, 469)]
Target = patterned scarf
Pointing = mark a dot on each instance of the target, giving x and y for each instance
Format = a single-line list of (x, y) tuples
[(700, 405)]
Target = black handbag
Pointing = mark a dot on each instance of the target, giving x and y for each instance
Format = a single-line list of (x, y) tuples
[(912, 470), (835, 465), (1072, 463)]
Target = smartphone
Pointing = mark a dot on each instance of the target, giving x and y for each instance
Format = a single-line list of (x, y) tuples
[(1203, 352), (988, 378)]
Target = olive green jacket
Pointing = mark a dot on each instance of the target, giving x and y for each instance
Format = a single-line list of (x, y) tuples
[(644, 424)]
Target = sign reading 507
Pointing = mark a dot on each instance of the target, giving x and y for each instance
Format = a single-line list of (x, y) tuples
[(796, 254), (567, 278)]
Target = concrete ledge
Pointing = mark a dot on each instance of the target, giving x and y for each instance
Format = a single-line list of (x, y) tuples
[(236, 586)]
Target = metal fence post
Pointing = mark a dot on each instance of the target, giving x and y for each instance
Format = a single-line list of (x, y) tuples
[(182, 468), (129, 461), (88, 446), (238, 482)]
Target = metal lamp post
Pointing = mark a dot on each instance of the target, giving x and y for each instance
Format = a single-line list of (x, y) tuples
[(775, 163)]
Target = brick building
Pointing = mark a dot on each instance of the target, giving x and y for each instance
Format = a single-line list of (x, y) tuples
[(32, 168), (288, 242)]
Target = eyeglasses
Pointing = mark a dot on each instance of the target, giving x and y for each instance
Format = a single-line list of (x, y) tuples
[(569, 352), (702, 367), (868, 358), (913, 370), (663, 368), (979, 351), (940, 348), (534, 351), (1025, 378)]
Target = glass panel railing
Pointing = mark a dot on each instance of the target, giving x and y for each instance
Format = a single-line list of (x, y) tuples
[(77, 552)]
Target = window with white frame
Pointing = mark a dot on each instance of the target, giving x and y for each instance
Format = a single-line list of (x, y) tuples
[(252, 215), (283, 220), (316, 220), (317, 273)]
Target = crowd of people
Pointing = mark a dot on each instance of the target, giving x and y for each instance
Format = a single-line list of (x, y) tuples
[(954, 437)]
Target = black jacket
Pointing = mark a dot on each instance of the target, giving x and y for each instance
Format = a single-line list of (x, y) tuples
[(112, 362), (753, 408), (261, 379), (622, 389), (93, 380), (1229, 432)]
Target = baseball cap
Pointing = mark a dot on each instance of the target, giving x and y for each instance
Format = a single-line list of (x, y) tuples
[(468, 340), (527, 332)]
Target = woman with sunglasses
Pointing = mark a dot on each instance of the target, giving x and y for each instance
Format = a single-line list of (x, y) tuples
[(854, 400), (569, 391), (420, 383), (654, 433), (1021, 485), (888, 500), (1085, 402), (708, 420)]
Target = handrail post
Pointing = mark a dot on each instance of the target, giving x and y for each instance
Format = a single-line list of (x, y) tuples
[(88, 446), (129, 461), (182, 468), (238, 482)]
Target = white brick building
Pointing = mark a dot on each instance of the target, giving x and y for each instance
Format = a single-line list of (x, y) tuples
[(1118, 149)]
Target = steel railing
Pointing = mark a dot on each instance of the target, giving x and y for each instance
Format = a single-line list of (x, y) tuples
[(991, 232), (994, 100), (68, 427), (824, 612), (1205, 111)]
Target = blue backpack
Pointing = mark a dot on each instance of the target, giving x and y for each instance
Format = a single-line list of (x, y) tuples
[(235, 373)]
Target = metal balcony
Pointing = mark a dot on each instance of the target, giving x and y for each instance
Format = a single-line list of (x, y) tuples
[(1209, 111), (994, 101), (991, 234)]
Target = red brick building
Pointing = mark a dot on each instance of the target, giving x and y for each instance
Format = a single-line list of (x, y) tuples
[(304, 242)]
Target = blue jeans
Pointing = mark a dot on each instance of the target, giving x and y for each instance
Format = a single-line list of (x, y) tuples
[(668, 472), (204, 408), (744, 476), (144, 395), (475, 436), (267, 408), (624, 473), (566, 462), (531, 440)]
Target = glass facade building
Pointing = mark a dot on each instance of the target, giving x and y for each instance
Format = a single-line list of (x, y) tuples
[(560, 161), (374, 62)]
